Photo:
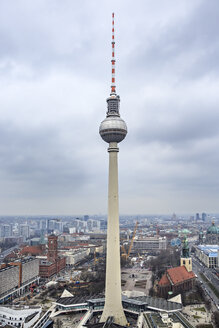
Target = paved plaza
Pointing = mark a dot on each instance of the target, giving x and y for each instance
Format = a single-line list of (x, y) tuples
[(197, 314), (136, 279)]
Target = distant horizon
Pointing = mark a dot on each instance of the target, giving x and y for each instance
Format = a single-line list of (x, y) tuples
[(105, 215)]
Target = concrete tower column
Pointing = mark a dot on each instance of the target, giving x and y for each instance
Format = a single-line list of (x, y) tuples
[(113, 130), (113, 298)]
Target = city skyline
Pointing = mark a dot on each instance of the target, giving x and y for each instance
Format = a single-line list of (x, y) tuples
[(54, 80)]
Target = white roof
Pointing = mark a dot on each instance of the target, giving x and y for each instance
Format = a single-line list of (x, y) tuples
[(176, 299), (66, 293), (132, 293), (51, 283)]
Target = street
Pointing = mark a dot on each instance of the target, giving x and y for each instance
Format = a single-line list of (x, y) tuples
[(198, 268)]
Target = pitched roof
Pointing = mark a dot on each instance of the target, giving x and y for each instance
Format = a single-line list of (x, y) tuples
[(179, 274), (164, 281), (33, 250), (176, 299), (66, 293), (176, 276)]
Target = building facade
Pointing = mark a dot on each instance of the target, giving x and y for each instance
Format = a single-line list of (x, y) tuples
[(76, 255), (6, 230), (212, 235), (52, 264), (24, 231), (178, 279), (175, 281), (19, 317), (16, 277), (150, 243), (208, 255)]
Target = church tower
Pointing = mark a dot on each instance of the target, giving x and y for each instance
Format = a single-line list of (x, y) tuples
[(185, 259)]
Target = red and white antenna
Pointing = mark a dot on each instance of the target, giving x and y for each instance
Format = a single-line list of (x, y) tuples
[(113, 86)]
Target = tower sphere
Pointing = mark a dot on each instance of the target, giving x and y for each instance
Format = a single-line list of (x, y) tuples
[(113, 129)]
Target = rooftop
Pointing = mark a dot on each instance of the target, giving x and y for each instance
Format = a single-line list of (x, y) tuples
[(162, 320), (164, 281), (159, 304), (210, 250), (179, 274)]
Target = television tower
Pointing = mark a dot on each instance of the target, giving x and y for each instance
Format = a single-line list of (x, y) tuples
[(113, 130)]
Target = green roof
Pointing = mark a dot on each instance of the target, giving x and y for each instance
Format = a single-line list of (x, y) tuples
[(213, 229)]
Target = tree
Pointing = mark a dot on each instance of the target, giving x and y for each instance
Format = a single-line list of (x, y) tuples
[(216, 318)]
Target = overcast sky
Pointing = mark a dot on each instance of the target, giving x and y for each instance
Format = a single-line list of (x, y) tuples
[(55, 59)]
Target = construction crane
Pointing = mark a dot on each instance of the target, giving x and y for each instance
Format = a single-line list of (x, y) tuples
[(124, 251), (95, 258), (126, 255)]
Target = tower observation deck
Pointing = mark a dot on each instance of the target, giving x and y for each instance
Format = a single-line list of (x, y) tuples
[(113, 130)]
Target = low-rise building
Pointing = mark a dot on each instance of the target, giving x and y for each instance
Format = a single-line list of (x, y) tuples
[(164, 319), (48, 268), (19, 316), (74, 256)]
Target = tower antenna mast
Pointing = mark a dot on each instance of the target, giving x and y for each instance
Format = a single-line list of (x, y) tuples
[(113, 85)]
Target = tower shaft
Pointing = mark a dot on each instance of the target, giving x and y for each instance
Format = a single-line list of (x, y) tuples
[(113, 290)]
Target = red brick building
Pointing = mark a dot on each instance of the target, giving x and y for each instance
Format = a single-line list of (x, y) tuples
[(176, 280), (33, 250), (54, 263), (48, 269)]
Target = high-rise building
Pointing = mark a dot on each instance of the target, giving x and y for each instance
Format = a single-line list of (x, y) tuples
[(24, 231), (197, 217), (204, 217), (42, 225), (86, 217), (54, 225), (113, 130), (6, 230)]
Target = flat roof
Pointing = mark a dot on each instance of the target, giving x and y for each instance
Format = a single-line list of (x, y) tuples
[(210, 250), (159, 304)]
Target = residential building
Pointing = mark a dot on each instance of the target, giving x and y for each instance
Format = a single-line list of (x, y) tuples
[(16, 277), (6, 230), (24, 231)]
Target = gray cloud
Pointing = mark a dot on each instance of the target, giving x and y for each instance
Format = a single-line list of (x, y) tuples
[(54, 79)]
